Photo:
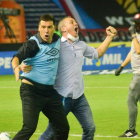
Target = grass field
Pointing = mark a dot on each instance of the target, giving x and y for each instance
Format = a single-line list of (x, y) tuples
[(107, 96)]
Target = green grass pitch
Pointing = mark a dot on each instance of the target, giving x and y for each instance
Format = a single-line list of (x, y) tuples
[(107, 96)]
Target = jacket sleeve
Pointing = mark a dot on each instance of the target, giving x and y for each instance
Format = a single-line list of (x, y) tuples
[(28, 50)]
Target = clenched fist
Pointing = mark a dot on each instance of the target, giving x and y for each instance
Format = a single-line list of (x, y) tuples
[(111, 31)]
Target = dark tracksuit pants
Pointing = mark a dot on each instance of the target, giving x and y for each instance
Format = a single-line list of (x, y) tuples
[(34, 101)]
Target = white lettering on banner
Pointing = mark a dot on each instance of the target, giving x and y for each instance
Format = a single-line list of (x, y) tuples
[(112, 59), (1, 61), (129, 20), (6, 62), (119, 20), (88, 61), (113, 20)]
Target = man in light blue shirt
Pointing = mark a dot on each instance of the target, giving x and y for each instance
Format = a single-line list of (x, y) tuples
[(37, 93), (69, 80)]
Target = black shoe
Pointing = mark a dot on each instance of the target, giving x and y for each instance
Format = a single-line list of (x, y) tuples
[(129, 133)]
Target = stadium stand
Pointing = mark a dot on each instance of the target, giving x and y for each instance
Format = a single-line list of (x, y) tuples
[(33, 9)]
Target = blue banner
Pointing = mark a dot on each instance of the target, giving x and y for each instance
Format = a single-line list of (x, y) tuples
[(112, 59), (5, 62)]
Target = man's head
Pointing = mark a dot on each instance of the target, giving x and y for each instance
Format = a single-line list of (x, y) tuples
[(46, 27), (136, 21), (68, 27)]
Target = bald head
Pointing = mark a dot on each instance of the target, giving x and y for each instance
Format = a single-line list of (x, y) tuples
[(61, 24)]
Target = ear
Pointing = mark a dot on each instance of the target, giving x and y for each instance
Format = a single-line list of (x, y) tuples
[(63, 29)]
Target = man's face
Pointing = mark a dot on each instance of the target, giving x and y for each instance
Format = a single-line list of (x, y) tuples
[(71, 26), (46, 29)]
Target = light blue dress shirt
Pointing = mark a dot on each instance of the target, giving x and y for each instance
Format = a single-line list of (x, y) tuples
[(69, 80)]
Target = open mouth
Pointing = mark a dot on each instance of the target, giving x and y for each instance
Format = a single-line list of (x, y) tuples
[(46, 35), (76, 29)]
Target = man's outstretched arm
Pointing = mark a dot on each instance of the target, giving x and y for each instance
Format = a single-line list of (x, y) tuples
[(125, 62), (111, 33)]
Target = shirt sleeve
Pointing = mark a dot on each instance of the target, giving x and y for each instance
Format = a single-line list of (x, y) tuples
[(28, 50), (91, 52)]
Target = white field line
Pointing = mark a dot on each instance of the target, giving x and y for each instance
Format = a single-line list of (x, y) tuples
[(8, 81), (106, 87), (8, 87), (77, 135), (85, 87)]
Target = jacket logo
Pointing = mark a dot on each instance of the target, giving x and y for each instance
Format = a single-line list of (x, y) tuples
[(52, 52)]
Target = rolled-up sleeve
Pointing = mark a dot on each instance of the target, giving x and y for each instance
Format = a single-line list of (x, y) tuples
[(91, 52)]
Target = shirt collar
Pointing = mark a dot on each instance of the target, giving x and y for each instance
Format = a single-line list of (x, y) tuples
[(39, 38), (63, 39)]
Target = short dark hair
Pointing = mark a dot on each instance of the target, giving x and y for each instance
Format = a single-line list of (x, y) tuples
[(47, 17)]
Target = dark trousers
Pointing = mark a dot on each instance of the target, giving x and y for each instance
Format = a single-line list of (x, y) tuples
[(49, 102), (81, 110)]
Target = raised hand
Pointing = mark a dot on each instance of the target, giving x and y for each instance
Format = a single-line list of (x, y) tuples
[(111, 31)]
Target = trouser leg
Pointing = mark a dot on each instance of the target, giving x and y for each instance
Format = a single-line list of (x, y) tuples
[(48, 134), (30, 111), (82, 111), (133, 97), (57, 117)]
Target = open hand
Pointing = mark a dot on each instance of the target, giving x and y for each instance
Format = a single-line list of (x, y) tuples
[(25, 68)]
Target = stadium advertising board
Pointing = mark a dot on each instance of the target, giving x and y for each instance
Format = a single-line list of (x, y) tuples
[(112, 59), (99, 35), (5, 62)]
